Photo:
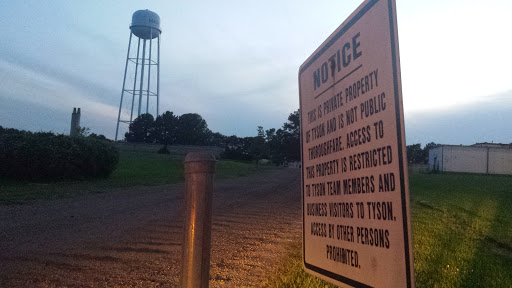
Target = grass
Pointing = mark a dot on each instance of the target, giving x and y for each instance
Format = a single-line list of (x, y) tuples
[(462, 230), (462, 233), (290, 272), (135, 168)]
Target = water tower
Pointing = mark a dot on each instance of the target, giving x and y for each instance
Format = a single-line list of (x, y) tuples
[(138, 68)]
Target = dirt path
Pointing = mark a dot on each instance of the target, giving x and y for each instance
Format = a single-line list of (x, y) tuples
[(133, 238)]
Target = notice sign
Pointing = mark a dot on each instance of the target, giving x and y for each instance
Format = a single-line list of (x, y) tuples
[(355, 195)]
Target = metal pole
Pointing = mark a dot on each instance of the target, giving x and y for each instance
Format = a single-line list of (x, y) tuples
[(124, 81), (135, 80), (149, 68), (142, 75), (158, 78), (199, 172)]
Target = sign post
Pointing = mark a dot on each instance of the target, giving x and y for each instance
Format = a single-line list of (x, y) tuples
[(355, 194)]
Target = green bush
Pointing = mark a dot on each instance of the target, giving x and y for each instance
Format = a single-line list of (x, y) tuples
[(46, 156)]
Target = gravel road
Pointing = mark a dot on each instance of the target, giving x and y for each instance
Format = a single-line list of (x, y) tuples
[(132, 237)]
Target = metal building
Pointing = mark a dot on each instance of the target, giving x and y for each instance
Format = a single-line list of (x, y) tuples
[(485, 158), (139, 68)]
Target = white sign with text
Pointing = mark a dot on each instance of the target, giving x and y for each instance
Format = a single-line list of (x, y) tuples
[(355, 195)]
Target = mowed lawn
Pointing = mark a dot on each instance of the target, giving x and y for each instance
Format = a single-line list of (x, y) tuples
[(462, 234), (462, 229), (135, 168)]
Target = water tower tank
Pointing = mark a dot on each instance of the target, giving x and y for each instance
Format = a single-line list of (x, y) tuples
[(145, 24)]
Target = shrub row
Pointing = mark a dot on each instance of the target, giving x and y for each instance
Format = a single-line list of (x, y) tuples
[(46, 156)]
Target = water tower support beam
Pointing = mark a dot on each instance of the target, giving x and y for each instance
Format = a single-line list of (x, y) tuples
[(142, 75), (149, 68), (135, 80), (124, 82), (158, 78)]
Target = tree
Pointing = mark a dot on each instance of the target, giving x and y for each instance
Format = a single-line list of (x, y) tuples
[(291, 137), (415, 154), (257, 148), (293, 125), (166, 128), (216, 139), (83, 131), (141, 129), (99, 137), (275, 146), (270, 135), (279, 145), (238, 148), (191, 130)]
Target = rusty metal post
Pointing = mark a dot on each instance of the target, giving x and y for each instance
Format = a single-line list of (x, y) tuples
[(195, 259)]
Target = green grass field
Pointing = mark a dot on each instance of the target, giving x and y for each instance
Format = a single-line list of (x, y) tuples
[(462, 230), (462, 234), (135, 168)]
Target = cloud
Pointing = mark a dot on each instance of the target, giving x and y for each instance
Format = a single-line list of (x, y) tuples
[(27, 94), (448, 57), (487, 120)]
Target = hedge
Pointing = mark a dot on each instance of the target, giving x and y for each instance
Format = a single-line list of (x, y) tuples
[(46, 156)]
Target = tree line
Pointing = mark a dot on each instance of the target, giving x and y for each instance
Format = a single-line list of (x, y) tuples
[(417, 155), (277, 145)]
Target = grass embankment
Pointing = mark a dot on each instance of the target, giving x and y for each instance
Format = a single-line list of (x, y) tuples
[(135, 168), (462, 234)]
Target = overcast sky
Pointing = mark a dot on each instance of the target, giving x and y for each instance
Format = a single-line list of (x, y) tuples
[(236, 63)]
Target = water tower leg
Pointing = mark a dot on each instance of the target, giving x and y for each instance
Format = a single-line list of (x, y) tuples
[(142, 75), (135, 80), (149, 69), (124, 81), (158, 78)]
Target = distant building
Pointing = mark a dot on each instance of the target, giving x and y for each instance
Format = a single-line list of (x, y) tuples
[(492, 145), (75, 122), (485, 158)]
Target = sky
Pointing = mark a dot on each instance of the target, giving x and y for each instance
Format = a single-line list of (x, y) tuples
[(236, 63)]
